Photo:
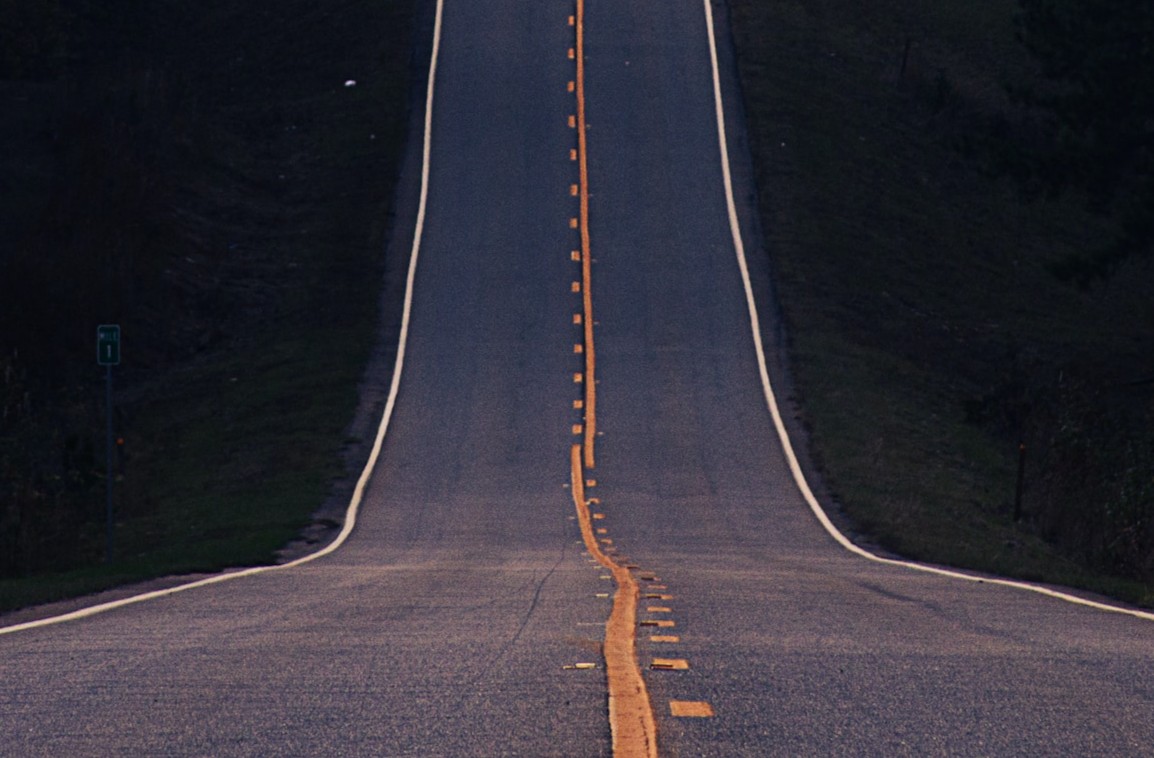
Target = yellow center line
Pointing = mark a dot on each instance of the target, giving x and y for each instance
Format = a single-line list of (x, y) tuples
[(586, 261), (631, 717)]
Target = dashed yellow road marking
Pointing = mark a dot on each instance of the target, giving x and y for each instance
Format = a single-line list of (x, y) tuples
[(575, 287), (670, 638), (690, 709), (590, 459), (669, 664), (631, 718)]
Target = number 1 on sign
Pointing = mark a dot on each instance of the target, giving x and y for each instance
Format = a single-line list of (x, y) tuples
[(108, 345)]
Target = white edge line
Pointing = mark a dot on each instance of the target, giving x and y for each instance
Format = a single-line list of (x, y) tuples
[(366, 473), (771, 399)]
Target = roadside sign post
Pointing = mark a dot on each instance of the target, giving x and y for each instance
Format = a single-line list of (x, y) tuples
[(108, 355)]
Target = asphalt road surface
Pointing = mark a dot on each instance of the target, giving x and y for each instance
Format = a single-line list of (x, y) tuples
[(451, 621)]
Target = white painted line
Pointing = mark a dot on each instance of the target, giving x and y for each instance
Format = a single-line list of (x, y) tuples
[(771, 399), (366, 473)]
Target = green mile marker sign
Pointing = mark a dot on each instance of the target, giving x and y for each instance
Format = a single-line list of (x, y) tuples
[(108, 345)]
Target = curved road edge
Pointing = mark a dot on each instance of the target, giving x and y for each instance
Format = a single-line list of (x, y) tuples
[(353, 508), (792, 459)]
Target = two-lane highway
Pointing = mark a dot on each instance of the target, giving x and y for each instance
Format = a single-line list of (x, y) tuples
[(453, 619)]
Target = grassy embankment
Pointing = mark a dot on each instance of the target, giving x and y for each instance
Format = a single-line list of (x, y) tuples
[(928, 337), (268, 183), (922, 315)]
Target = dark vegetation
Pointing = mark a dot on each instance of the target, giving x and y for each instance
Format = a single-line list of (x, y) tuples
[(957, 200), (1092, 109), (200, 173), (959, 223)]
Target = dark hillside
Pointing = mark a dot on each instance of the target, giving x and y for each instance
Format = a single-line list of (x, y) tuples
[(200, 173), (216, 178), (930, 335)]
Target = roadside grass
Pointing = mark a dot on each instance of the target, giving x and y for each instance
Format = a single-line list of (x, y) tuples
[(230, 450), (915, 286), (236, 453)]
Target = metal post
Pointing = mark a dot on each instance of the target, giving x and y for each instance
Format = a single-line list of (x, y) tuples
[(108, 466)]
